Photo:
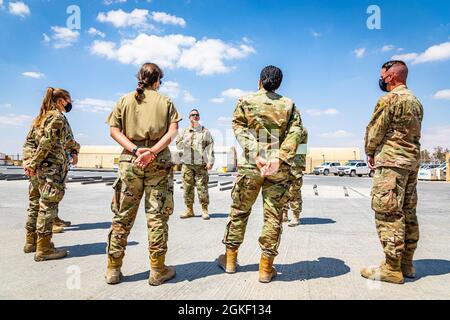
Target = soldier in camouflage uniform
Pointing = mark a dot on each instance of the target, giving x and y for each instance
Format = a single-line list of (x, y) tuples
[(72, 150), (295, 190), (269, 128), (144, 123), (392, 145), (197, 146), (46, 163)]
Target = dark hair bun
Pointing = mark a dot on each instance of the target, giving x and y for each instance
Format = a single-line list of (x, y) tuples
[(271, 78)]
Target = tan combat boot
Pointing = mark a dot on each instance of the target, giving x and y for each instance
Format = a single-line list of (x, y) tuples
[(389, 271), (266, 270), (228, 261), (205, 213), (57, 229), (159, 272), (61, 223), (294, 222), (30, 242), (189, 212), (407, 266), (113, 274), (45, 249)]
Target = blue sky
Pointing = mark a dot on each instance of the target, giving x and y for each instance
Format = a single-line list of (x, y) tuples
[(213, 50)]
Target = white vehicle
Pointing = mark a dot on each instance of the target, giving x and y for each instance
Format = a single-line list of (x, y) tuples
[(356, 168), (429, 172), (326, 168)]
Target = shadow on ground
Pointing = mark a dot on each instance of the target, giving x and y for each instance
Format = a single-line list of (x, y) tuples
[(303, 270), (89, 226), (313, 221), (430, 267), (90, 249)]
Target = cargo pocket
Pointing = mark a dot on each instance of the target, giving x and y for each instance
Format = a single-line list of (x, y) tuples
[(52, 193), (384, 195), (115, 203)]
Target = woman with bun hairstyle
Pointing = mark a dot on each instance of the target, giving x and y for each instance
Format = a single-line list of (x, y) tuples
[(144, 123)]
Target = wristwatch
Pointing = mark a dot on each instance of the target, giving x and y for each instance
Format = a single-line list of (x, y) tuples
[(134, 151)]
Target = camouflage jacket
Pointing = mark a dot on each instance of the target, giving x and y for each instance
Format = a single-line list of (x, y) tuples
[(269, 125), (53, 141), (199, 149), (393, 134)]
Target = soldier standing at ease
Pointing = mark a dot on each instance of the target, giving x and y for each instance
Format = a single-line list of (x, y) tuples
[(268, 127), (295, 190), (144, 123), (72, 149), (46, 163), (392, 145), (197, 145)]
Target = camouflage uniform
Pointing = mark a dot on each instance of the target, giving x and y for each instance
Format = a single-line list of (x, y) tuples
[(143, 124), (269, 125), (392, 138), (198, 152), (34, 195), (295, 190), (45, 153)]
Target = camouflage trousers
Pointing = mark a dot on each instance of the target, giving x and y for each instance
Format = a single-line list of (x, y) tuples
[(394, 200), (195, 176), (156, 182), (295, 201), (244, 194), (45, 192)]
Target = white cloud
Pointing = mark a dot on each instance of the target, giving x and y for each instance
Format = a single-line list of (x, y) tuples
[(46, 39), (1, 3), (360, 53), (6, 105), (231, 94), (94, 32), (188, 97), (64, 37), (440, 52), (388, 47), (436, 136), (206, 56), (19, 9), (405, 57), (34, 75), (94, 105), (336, 134), (138, 18), (108, 2), (15, 120), (166, 18), (319, 112), (217, 100), (170, 89), (442, 95)]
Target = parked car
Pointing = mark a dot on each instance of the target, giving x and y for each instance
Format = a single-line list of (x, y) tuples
[(356, 168), (430, 171), (326, 168)]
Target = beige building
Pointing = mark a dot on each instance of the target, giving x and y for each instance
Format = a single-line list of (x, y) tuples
[(317, 156), (107, 157)]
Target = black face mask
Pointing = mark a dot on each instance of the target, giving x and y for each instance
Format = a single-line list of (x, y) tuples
[(383, 85), (68, 107)]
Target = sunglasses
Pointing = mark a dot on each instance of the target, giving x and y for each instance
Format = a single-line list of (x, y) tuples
[(194, 115)]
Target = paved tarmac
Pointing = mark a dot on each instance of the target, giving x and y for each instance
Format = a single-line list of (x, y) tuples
[(320, 259)]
